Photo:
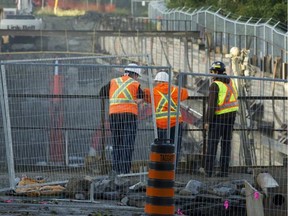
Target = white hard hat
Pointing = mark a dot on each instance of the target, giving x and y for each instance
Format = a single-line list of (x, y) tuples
[(162, 77), (131, 69)]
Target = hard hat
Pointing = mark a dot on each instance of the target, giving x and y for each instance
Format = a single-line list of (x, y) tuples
[(218, 66), (162, 77), (131, 68)]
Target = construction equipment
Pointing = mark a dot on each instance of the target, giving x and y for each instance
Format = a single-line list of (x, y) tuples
[(241, 67), (20, 18)]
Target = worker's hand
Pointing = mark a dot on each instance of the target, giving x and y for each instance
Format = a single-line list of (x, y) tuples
[(139, 101), (206, 126)]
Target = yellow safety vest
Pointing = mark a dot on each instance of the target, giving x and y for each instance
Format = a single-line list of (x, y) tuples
[(5, 39), (227, 98)]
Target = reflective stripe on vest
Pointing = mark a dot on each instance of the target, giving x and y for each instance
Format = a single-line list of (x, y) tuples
[(227, 98), (160, 113), (122, 88)]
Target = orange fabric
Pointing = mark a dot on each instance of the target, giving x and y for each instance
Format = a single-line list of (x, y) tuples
[(163, 88), (125, 106)]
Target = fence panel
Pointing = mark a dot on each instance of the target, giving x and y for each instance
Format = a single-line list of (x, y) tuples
[(263, 124), (58, 133), (55, 115)]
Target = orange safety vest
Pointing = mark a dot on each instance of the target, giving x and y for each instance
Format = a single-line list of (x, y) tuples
[(122, 95), (227, 98), (161, 102)]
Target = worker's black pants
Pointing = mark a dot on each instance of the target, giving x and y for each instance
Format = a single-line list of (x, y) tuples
[(5, 48), (123, 128), (162, 134), (220, 130)]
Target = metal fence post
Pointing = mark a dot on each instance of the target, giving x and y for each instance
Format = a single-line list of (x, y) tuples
[(7, 127)]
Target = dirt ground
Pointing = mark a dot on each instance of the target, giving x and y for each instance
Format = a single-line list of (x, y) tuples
[(19, 207), (47, 206)]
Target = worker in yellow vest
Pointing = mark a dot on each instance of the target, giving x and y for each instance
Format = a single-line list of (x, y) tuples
[(220, 118), (5, 43)]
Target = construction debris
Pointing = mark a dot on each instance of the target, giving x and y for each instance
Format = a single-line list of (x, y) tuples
[(32, 187), (265, 181)]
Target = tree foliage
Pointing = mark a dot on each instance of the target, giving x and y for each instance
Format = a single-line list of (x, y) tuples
[(275, 9)]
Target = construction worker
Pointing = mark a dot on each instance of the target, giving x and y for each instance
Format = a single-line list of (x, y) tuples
[(124, 94), (5, 43), (161, 102), (220, 118)]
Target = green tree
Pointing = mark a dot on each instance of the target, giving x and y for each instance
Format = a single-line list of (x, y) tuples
[(276, 9)]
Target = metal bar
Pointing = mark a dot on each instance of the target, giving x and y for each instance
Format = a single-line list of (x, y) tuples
[(169, 103), (152, 99), (98, 97), (134, 33), (180, 81), (7, 127)]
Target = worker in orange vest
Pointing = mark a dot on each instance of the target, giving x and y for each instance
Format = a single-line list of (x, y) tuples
[(124, 94), (220, 117), (161, 102)]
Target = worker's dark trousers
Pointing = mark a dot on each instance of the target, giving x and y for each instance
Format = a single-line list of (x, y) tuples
[(162, 134), (220, 130), (5, 48), (123, 130)]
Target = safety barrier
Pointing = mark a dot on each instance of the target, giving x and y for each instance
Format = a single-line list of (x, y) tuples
[(159, 190), (50, 138)]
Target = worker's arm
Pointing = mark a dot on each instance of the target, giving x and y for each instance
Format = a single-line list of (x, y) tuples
[(140, 96), (140, 93), (184, 94), (104, 91), (147, 96), (212, 104)]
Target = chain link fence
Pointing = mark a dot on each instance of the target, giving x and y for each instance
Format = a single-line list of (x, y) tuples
[(263, 37)]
